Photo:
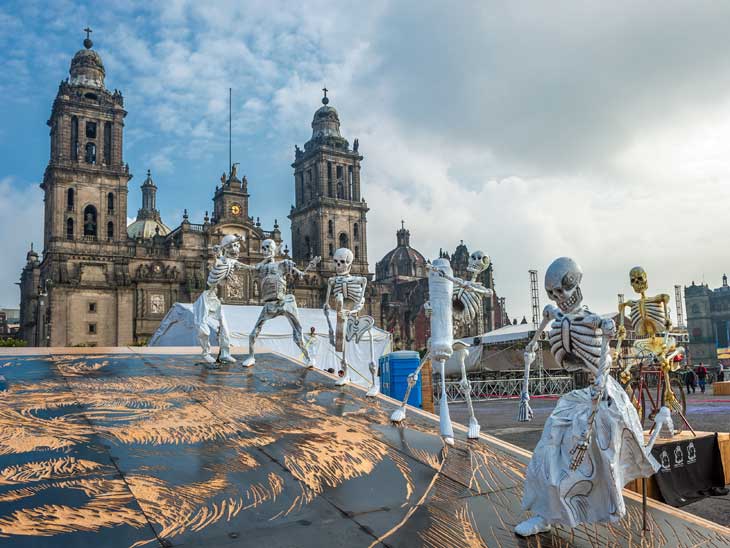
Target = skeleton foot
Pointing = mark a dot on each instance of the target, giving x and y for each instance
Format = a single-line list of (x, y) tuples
[(226, 357), (342, 381), (474, 429), (309, 362), (448, 440), (208, 358), (374, 391), (399, 415), (249, 362), (532, 526)]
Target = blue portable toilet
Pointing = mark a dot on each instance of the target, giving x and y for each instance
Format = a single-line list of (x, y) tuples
[(394, 370)]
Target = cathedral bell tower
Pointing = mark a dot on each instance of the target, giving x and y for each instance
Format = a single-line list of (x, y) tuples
[(85, 182), (329, 212)]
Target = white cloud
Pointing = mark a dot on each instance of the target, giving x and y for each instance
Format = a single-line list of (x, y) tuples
[(20, 208)]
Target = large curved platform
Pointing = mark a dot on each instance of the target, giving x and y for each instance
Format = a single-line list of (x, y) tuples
[(139, 449)]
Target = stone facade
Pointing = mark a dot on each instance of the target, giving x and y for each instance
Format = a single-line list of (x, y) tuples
[(329, 212), (708, 320), (102, 283)]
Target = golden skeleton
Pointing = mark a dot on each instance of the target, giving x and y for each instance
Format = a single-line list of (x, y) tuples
[(650, 321)]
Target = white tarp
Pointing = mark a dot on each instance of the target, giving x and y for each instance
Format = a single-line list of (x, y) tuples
[(178, 329)]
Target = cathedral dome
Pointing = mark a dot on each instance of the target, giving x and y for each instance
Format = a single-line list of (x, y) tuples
[(326, 127), (87, 68), (147, 228), (403, 261)]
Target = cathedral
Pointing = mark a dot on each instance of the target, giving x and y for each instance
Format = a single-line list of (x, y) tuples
[(100, 282)]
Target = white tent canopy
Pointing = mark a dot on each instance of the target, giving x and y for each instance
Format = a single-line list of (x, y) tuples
[(178, 329)]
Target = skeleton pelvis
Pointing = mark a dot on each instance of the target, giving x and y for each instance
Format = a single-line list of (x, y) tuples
[(356, 327)]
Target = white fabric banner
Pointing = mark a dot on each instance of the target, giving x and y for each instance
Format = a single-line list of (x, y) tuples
[(178, 329)]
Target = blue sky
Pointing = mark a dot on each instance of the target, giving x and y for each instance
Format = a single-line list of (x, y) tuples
[(584, 129)]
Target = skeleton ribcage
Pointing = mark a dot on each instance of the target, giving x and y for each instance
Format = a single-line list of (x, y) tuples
[(572, 344), (465, 305), (349, 287), (652, 323), (222, 270)]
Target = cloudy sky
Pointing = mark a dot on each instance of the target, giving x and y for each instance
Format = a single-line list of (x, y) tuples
[(591, 129)]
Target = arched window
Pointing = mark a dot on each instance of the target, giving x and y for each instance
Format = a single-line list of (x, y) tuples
[(330, 228), (340, 190), (110, 201), (74, 138), (90, 221), (107, 143), (69, 229), (357, 252), (308, 247), (355, 231), (90, 157), (331, 250), (70, 199), (344, 240), (110, 230)]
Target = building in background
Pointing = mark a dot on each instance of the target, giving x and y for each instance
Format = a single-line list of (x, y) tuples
[(101, 282), (708, 320), (402, 284)]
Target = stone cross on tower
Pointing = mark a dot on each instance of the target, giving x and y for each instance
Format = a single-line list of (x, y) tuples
[(87, 41), (324, 99)]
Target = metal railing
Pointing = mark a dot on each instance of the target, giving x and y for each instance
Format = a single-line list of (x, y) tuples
[(495, 389)]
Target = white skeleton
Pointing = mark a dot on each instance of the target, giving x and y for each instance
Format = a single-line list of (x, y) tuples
[(466, 299), (276, 300), (208, 303), (597, 425), (349, 294)]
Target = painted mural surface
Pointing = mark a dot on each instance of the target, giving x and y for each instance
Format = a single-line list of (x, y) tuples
[(135, 451)]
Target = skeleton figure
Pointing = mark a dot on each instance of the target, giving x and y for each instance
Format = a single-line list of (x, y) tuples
[(276, 300), (466, 299), (209, 305), (649, 318), (349, 295), (592, 443)]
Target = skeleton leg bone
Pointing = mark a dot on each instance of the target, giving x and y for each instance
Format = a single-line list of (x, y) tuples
[(374, 388), (399, 414), (296, 327), (204, 340), (224, 341), (474, 427), (447, 431), (345, 379), (251, 360)]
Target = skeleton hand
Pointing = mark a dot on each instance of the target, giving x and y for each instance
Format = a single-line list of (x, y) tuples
[(412, 378), (579, 451), (326, 307), (621, 332)]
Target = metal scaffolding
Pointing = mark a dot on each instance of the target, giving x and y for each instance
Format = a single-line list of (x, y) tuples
[(536, 315), (680, 308)]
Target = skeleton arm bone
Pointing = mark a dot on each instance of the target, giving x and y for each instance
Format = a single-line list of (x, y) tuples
[(525, 413)]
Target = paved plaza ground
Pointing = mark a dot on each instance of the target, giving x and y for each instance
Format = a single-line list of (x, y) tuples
[(705, 412)]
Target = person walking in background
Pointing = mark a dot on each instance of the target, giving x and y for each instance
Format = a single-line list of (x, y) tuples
[(689, 379), (720, 372), (702, 376)]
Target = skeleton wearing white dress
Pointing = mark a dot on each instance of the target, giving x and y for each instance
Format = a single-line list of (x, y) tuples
[(466, 299), (592, 443), (276, 300), (208, 305), (348, 292)]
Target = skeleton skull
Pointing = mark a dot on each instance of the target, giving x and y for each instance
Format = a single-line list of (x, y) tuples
[(478, 262), (230, 245), (343, 261), (562, 282), (638, 278), (268, 249)]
